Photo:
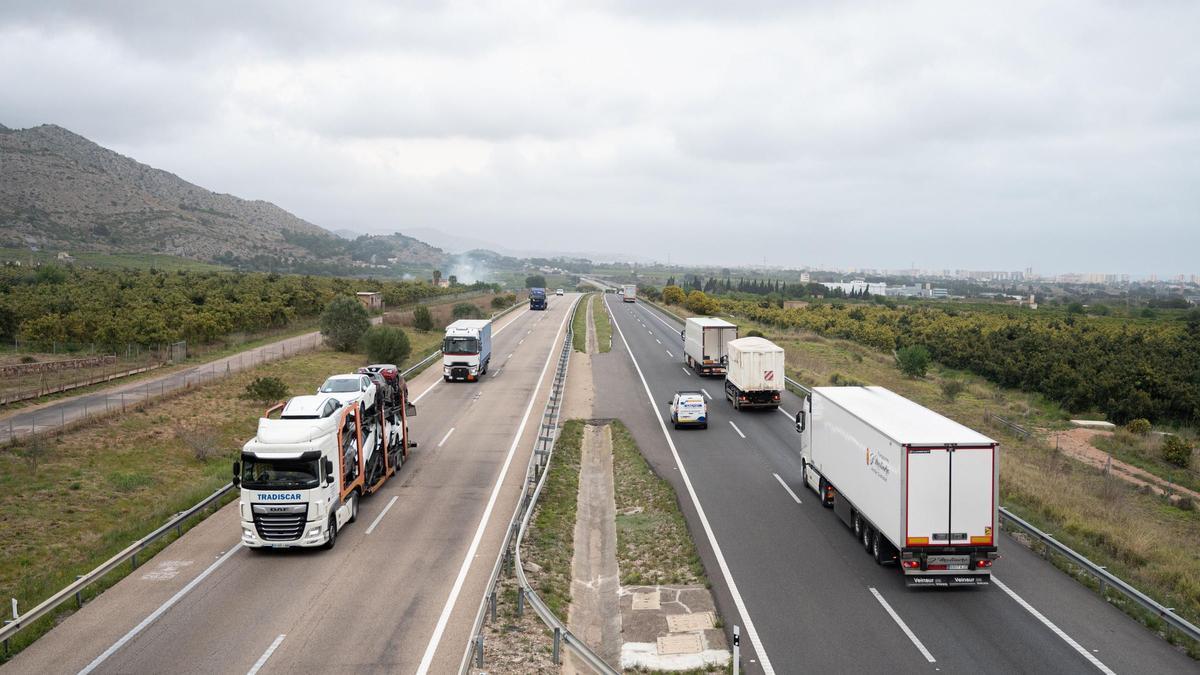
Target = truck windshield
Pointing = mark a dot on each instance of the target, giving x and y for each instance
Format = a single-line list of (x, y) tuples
[(460, 345), (265, 474)]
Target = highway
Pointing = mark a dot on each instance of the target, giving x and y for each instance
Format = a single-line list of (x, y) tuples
[(803, 590), (399, 591)]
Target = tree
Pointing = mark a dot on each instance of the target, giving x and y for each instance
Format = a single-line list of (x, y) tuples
[(673, 295), (344, 322), (437, 276), (453, 280), (1139, 426), (466, 310), (913, 360), (386, 344), (535, 281), (422, 319), (1176, 451), (266, 390)]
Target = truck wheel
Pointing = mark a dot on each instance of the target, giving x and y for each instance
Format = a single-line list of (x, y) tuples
[(877, 549), (332, 533), (353, 508), (857, 525), (867, 533)]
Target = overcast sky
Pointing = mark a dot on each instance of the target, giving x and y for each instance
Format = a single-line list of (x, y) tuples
[(1063, 136)]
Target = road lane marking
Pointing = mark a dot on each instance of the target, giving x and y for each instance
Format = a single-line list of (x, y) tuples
[(262, 660), (738, 602), (658, 341), (521, 341), (440, 628), (670, 354), (133, 632), (787, 414), (382, 514), (735, 428), (706, 393), (685, 371), (1057, 631), (655, 315), (785, 487), (443, 441), (904, 627)]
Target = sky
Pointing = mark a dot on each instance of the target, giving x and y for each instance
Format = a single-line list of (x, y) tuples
[(1062, 136)]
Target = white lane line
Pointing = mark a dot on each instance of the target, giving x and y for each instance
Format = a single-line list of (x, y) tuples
[(521, 341), (382, 514), (1057, 631), (650, 331), (786, 414), (440, 628), (658, 341), (706, 393), (904, 627), (670, 354), (735, 428), (785, 487), (660, 319), (685, 371), (738, 602), (443, 441), (262, 660), (509, 356), (159, 612)]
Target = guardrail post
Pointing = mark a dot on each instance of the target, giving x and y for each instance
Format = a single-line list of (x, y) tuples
[(520, 602), (555, 657), (134, 561), (493, 602), (737, 649), (479, 650), (78, 594)]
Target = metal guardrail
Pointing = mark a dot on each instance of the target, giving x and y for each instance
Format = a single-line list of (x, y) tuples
[(13, 626), (535, 478), (1105, 578)]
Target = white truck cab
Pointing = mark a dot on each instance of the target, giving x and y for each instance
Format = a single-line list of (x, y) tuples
[(467, 350)]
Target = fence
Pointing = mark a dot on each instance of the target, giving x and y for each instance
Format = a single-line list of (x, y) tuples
[(510, 557)]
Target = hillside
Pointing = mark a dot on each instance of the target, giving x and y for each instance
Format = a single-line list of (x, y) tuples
[(60, 191)]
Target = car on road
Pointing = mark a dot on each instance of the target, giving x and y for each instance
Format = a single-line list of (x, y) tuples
[(350, 388), (688, 409), (310, 407), (558, 291)]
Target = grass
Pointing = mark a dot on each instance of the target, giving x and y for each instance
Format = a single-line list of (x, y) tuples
[(550, 540), (94, 490), (603, 324), (653, 543), (1145, 452), (137, 261), (579, 325)]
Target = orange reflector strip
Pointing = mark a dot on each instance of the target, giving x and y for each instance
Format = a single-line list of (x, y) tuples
[(917, 541), (981, 540)]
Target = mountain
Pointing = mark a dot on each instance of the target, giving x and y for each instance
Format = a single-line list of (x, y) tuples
[(60, 190)]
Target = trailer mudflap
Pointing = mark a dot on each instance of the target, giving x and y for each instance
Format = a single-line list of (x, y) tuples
[(946, 580)]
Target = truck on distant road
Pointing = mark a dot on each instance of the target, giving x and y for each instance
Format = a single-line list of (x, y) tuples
[(467, 350), (753, 373), (537, 298), (916, 488), (629, 293), (302, 475), (706, 344)]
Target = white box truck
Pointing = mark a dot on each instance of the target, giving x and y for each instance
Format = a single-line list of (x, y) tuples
[(754, 373), (915, 487), (706, 344), (628, 293), (467, 350), (302, 475)]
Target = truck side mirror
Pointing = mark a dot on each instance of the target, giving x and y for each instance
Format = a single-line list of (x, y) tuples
[(328, 468), (237, 474), (410, 410), (800, 421)]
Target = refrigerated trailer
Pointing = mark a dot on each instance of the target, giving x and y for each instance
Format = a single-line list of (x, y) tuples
[(754, 373), (706, 344), (916, 488), (629, 293)]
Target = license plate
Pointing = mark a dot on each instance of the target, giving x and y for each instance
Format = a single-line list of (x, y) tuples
[(956, 567)]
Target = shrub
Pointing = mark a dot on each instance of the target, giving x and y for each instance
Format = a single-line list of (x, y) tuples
[(1139, 426), (913, 360), (952, 388), (839, 380), (1176, 451), (673, 295), (753, 333), (386, 344), (422, 319), (29, 359), (343, 323), (266, 390), (499, 302), (204, 444), (465, 310), (34, 450), (1185, 503)]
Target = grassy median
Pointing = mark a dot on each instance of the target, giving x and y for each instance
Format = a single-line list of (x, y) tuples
[(579, 325), (603, 323), (550, 540)]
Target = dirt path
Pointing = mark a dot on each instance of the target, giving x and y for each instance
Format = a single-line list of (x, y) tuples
[(1077, 444)]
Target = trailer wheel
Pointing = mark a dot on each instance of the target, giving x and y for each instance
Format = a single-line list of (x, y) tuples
[(867, 533), (878, 550), (332, 533), (857, 525)]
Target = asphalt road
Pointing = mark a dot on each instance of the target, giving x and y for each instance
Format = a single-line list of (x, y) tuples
[(400, 590), (793, 571)]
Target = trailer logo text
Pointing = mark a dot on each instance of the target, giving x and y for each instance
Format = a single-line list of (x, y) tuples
[(879, 464)]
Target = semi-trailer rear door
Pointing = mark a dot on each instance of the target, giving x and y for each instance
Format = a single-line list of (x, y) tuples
[(972, 497), (928, 488), (950, 496)]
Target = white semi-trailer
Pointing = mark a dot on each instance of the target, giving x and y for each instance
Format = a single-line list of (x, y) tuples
[(754, 373), (629, 293), (303, 474), (706, 344), (915, 487), (467, 350)]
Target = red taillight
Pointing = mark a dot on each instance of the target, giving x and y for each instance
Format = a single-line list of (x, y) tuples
[(983, 563), (911, 564), (776, 397)]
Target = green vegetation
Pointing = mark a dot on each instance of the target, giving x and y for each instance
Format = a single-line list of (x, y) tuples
[(466, 310), (550, 540), (653, 543), (422, 319), (535, 281), (1177, 452), (266, 390), (603, 324), (110, 261), (386, 344), (579, 326), (1149, 453), (344, 322), (1138, 427), (913, 360)]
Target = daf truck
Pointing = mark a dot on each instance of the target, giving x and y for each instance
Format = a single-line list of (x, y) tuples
[(706, 344), (467, 350), (628, 293), (302, 475), (754, 373), (537, 299), (916, 488)]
